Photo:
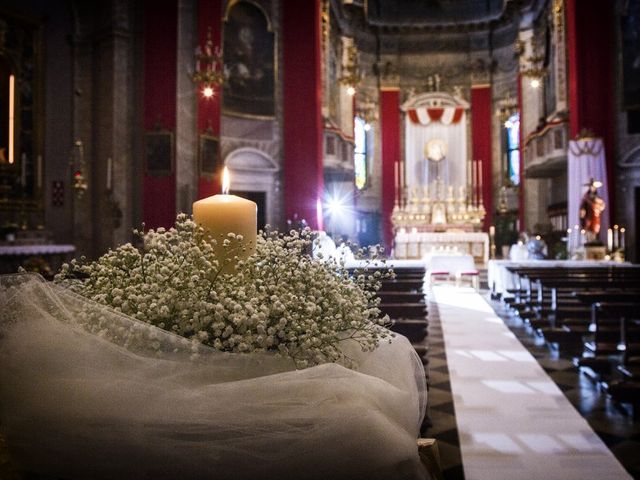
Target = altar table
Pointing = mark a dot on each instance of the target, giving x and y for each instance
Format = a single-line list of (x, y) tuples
[(419, 244), (14, 256)]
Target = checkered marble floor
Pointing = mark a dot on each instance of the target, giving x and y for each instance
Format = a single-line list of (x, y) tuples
[(441, 408)]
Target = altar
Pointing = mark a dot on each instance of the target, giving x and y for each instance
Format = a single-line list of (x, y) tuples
[(421, 244), (439, 207)]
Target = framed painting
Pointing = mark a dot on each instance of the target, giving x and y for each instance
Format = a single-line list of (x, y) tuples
[(210, 164), (158, 153), (249, 65)]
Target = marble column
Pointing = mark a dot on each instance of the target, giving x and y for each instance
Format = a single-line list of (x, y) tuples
[(186, 133)]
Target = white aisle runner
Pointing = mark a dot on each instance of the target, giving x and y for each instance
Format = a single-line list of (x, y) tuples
[(513, 421)]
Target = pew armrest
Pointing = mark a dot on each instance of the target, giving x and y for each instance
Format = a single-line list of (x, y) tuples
[(430, 457)]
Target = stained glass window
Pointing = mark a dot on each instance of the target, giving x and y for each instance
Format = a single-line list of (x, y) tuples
[(360, 153), (512, 127)]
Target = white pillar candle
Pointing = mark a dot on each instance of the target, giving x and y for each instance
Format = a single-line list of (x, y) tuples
[(222, 214), (610, 240), (622, 240), (478, 183), (616, 237), (396, 181)]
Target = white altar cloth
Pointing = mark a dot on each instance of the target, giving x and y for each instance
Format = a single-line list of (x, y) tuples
[(415, 245), (40, 249)]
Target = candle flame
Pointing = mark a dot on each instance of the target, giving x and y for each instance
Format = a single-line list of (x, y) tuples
[(226, 181)]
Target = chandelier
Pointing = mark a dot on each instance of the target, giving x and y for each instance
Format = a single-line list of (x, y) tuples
[(367, 109), (533, 64), (208, 73), (351, 74)]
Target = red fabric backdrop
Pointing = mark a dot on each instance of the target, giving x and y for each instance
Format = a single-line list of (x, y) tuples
[(590, 44), (391, 154), (481, 143), (303, 170), (160, 36), (209, 16)]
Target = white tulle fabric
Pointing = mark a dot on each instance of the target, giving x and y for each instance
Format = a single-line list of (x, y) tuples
[(84, 395)]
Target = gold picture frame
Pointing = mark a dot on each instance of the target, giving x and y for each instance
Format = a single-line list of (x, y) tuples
[(159, 153), (209, 161)]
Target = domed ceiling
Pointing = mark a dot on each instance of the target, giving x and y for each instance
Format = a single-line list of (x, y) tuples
[(432, 13)]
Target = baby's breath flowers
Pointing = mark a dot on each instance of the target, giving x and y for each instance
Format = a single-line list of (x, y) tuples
[(280, 299)]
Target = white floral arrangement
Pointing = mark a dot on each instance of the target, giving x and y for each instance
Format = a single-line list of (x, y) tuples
[(278, 300)]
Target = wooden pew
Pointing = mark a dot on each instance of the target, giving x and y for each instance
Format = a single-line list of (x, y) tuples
[(549, 306), (627, 389)]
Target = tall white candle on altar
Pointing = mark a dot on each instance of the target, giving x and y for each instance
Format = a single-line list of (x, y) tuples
[(396, 180), (610, 240), (222, 214), (616, 237), (622, 241)]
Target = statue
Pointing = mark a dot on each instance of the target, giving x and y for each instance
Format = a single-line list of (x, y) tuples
[(590, 208)]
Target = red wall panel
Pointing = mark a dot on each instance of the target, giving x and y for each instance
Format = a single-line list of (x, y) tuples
[(391, 155), (481, 143), (160, 37), (303, 169)]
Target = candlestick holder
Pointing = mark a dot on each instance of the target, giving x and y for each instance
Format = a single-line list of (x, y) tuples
[(113, 207)]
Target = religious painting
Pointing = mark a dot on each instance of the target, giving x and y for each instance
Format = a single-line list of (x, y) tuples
[(210, 164), (158, 153), (249, 67), (630, 26)]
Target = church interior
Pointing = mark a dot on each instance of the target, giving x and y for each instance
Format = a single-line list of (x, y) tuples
[(489, 148)]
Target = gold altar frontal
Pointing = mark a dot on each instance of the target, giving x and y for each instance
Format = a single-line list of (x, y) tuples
[(437, 224), (417, 244)]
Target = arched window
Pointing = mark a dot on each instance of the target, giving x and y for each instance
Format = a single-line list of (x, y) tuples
[(512, 131), (360, 153)]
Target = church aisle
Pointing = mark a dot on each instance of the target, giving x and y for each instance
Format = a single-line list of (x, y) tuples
[(513, 420)]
